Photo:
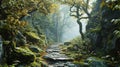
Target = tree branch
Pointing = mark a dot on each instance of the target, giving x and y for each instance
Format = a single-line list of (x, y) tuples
[(83, 17), (86, 11), (73, 15), (87, 3)]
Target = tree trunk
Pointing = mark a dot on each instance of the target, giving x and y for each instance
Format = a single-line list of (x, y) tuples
[(80, 24), (80, 29)]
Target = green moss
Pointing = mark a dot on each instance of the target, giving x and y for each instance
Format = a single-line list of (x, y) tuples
[(94, 59), (81, 63), (6, 42), (35, 49), (35, 64), (24, 51), (96, 29), (24, 55), (33, 35), (42, 42), (42, 37), (76, 40), (3, 65)]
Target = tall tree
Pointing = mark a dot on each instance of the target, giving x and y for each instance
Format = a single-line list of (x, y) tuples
[(60, 21)]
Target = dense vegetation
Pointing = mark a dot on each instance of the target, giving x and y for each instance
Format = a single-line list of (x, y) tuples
[(27, 27), (21, 42), (101, 37)]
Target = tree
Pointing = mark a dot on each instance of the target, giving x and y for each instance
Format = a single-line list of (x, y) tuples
[(78, 9), (60, 23), (12, 11)]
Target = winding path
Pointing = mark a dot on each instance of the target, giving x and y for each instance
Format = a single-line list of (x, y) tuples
[(55, 58)]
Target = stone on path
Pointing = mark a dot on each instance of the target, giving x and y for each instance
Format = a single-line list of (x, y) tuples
[(56, 59)]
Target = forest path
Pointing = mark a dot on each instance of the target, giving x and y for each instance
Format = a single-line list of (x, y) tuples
[(55, 58)]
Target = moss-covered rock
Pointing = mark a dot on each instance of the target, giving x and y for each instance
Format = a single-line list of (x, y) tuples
[(96, 62), (91, 62), (34, 64), (43, 40), (21, 55), (24, 55), (35, 49), (8, 47), (81, 64), (43, 37), (33, 37), (67, 43)]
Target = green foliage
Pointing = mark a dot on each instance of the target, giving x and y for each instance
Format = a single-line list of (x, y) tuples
[(104, 28), (13, 11), (116, 33), (24, 55), (78, 49), (112, 4), (116, 22), (96, 29), (33, 35), (117, 7), (11, 14), (3, 65), (77, 40), (21, 8), (34, 64)]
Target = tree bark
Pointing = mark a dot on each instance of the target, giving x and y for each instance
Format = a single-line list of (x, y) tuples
[(80, 29), (80, 23)]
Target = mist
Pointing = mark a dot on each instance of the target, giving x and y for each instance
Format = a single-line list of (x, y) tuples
[(72, 28)]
